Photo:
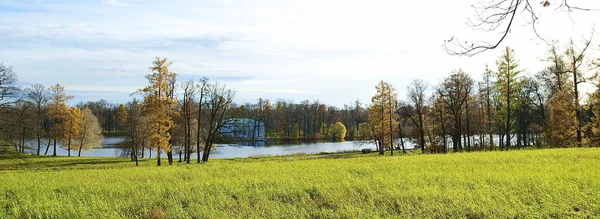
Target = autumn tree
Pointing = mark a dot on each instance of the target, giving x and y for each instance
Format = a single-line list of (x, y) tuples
[(594, 107), (91, 133), (507, 88), (562, 124), (58, 113), (158, 105), (382, 116), (575, 60), (337, 131), (73, 121), (120, 117)]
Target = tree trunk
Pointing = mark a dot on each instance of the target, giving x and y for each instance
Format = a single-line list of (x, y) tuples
[(69, 142), (54, 153), (577, 103), (199, 124), (39, 143), (401, 137), (158, 156), (468, 127), (421, 131), (48, 146)]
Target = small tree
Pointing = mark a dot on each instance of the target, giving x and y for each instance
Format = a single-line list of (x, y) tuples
[(91, 132), (337, 131), (295, 132), (323, 130)]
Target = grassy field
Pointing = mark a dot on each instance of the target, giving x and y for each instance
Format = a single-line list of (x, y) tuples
[(555, 183)]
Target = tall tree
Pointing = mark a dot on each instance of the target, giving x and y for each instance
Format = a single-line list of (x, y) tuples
[(38, 94), (416, 96), (58, 113), (188, 113), (381, 113), (219, 103), (202, 88), (487, 84), (453, 94), (575, 60), (158, 105), (507, 88), (562, 123), (73, 121)]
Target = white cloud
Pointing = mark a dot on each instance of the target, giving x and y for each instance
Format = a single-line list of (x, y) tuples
[(114, 3)]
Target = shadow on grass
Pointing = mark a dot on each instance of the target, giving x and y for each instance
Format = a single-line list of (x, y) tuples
[(49, 162)]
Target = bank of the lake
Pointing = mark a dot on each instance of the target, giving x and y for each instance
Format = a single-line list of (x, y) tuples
[(557, 183), (240, 149)]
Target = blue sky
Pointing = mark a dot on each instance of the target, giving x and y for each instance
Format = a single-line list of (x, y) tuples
[(332, 51)]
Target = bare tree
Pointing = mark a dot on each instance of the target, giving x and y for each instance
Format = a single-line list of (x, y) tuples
[(219, 102), (8, 89), (202, 86), (494, 15), (38, 94), (575, 60), (416, 96), (188, 100)]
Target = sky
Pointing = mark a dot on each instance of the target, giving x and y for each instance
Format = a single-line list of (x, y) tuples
[(333, 51)]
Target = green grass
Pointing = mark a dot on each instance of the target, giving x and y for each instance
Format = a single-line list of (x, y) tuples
[(554, 183)]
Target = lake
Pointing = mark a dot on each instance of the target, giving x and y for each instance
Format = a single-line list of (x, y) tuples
[(240, 149)]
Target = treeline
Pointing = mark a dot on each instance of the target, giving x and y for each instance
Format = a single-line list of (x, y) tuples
[(305, 120), (507, 108), (40, 114)]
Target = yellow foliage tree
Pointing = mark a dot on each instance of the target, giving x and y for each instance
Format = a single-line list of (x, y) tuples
[(562, 123), (58, 113), (158, 105), (121, 116), (72, 123), (382, 117), (337, 131)]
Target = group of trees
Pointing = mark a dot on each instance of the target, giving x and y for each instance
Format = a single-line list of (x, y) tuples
[(187, 118), (185, 124), (40, 114), (305, 120), (508, 108)]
